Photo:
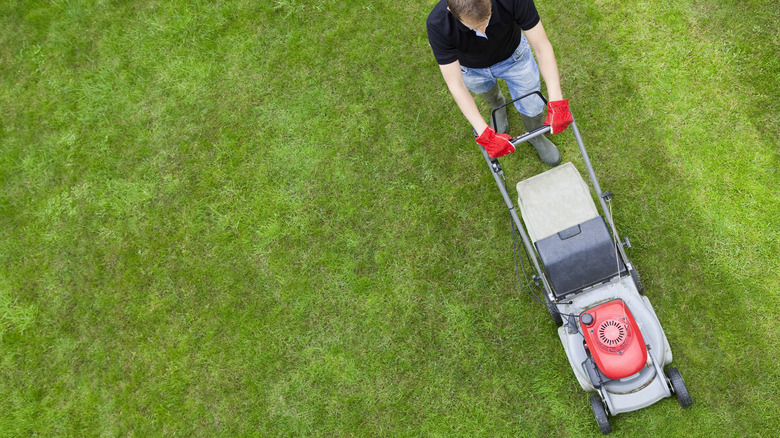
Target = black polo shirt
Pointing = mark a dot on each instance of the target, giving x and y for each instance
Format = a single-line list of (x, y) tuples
[(451, 40)]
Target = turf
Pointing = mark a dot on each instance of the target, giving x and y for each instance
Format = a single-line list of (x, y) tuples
[(269, 218)]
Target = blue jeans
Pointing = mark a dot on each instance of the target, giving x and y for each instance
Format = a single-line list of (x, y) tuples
[(520, 73)]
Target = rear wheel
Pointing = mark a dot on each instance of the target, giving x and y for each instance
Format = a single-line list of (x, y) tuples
[(637, 281), (556, 316), (679, 388), (601, 414)]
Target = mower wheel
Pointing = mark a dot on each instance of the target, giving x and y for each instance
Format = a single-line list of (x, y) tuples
[(601, 414), (679, 388), (556, 316), (637, 281)]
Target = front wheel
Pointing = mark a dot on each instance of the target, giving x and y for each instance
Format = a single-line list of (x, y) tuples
[(679, 388), (601, 414)]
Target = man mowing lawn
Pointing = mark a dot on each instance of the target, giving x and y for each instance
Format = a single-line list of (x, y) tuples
[(476, 42)]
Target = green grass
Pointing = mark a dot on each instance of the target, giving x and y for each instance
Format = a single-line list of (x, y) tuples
[(269, 218)]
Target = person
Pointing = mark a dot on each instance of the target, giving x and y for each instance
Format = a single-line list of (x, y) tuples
[(476, 42)]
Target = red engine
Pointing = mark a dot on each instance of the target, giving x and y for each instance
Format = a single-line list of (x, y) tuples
[(614, 339)]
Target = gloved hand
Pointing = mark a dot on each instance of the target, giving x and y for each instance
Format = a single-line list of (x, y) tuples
[(496, 145), (558, 115)]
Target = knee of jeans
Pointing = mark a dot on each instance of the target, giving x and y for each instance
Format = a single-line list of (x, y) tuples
[(476, 83), (480, 87), (530, 109)]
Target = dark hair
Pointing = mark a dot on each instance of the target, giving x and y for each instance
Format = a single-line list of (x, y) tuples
[(476, 10)]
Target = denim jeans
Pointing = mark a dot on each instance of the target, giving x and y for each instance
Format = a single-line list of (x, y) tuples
[(520, 73)]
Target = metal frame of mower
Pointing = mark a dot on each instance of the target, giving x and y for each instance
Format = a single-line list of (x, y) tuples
[(584, 273)]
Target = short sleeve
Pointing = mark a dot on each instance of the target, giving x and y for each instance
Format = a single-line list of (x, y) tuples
[(525, 14)]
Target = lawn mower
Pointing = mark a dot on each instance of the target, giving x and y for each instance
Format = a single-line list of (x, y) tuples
[(610, 332)]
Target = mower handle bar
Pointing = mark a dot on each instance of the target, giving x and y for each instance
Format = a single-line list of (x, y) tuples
[(528, 135)]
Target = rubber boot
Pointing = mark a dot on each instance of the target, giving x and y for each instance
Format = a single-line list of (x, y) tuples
[(496, 99), (544, 147)]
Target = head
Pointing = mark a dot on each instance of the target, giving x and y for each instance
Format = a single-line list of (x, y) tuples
[(475, 14)]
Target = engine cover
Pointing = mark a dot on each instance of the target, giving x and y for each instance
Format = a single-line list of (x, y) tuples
[(613, 339)]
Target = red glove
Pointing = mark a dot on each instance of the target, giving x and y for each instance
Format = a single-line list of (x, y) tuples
[(496, 145), (558, 115)]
